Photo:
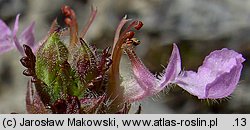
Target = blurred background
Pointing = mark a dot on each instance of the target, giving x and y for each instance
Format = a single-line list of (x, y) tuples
[(197, 26)]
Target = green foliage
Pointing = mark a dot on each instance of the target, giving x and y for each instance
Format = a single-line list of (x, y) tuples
[(54, 70)]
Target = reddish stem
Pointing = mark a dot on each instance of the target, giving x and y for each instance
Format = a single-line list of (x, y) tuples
[(71, 21), (90, 21)]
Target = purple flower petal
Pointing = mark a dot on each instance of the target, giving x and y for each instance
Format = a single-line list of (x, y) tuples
[(15, 29), (140, 83), (5, 38), (216, 78), (143, 83), (173, 68), (27, 36), (16, 41), (9, 39)]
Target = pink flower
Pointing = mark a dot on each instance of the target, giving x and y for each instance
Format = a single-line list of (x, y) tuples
[(9, 39), (216, 78), (142, 83)]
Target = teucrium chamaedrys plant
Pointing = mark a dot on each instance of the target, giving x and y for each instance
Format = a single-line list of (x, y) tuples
[(76, 77)]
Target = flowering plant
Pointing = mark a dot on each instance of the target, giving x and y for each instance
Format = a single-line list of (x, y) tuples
[(76, 77)]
